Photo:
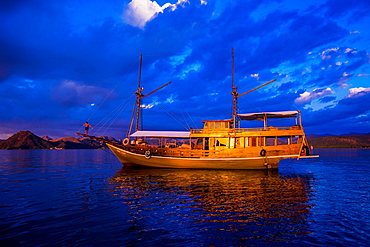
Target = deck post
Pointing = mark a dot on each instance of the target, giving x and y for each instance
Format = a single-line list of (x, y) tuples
[(265, 122)]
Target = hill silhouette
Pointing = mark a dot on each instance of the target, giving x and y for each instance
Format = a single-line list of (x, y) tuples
[(28, 140), (342, 141), (25, 140)]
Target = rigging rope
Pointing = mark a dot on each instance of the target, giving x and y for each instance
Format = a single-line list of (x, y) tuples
[(119, 82), (251, 104), (119, 109), (117, 115), (183, 117), (174, 117), (188, 116)]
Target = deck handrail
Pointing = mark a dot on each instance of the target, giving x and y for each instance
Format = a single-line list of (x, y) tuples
[(195, 153), (241, 130)]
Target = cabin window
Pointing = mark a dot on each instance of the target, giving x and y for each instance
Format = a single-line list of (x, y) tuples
[(261, 141), (199, 143), (270, 141), (294, 139), (206, 125), (170, 143), (242, 142), (283, 140), (300, 139), (253, 141), (221, 142), (232, 142), (246, 142), (218, 124), (237, 142)]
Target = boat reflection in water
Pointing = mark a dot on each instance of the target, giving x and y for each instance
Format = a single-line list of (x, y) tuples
[(231, 205)]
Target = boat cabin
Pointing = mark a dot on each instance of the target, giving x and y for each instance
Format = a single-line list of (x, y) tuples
[(220, 135), (217, 124)]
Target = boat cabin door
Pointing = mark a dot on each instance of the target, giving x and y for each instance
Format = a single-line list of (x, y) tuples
[(202, 143), (206, 143)]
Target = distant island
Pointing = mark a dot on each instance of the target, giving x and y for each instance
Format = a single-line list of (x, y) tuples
[(28, 140), (341, 141)]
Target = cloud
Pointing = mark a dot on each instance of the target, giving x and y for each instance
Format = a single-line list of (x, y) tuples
[(348, 113), (139, 12), (155, 102), (358, 91), (327, 54), (307, 97), (70, 93), (327, 99)]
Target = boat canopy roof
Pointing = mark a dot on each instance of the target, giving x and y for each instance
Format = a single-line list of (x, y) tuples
[(168, 134), (226, 120), (262, 115)]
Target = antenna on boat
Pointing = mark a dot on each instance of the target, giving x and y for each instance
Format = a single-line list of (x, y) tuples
[(234, 93)]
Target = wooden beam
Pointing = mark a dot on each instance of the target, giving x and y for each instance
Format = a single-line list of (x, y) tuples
[(256, 88)]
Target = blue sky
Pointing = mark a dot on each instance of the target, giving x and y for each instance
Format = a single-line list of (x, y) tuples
[(65, 62)]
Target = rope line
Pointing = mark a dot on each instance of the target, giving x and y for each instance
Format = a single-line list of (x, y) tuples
[(119, 82), (174, 117), (116, 117), (192, 120), (251, 104), (119, 108), (183, 116)]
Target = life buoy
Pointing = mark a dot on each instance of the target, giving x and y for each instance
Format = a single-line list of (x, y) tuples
[(305, 151), (148, 155), (126, 141), (263, 152)]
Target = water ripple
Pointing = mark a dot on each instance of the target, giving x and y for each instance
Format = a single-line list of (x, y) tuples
[(81, 198)]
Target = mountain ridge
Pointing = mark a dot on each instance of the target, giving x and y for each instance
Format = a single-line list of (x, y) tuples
[(341, 141), (28, 140)]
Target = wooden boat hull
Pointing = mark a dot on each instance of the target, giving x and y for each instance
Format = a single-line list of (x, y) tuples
[(250, 163)]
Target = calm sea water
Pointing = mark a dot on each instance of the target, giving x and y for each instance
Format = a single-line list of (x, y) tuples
[(86, 198)]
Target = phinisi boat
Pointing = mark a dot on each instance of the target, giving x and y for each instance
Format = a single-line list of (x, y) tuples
[(220, 144)]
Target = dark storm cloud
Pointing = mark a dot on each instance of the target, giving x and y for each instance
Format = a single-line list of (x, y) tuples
[(42, 40), (353, 10), (350, 112)]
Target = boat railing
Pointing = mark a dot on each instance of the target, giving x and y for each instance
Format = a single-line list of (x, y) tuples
[(241, 130), (149, 150), (174, 152)]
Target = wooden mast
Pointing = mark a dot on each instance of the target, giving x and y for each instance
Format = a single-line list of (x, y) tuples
[(138, 123), (136, 112), (234, 93), (137, 116)]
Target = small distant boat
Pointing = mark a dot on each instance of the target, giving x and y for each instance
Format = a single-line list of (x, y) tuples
[(220, 144)]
